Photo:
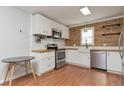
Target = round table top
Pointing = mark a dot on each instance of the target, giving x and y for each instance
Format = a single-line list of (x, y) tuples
[(18, 59)]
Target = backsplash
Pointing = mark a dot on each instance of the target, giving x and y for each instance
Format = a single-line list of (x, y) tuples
[(44, 42), (106, 32)]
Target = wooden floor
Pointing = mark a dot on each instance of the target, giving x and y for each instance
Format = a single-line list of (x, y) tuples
[(71, 76)]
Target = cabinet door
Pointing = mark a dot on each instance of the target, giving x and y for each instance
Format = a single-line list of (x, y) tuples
[(83, 59), (47, 27), (72, 56), (43, 62), (41, 25), (40, 66), (113, 61), (37, 26), (51, 64), (79, 58), (69, 56), (65, 32)]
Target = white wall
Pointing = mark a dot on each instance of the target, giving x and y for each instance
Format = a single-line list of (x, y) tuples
[(12, 41)]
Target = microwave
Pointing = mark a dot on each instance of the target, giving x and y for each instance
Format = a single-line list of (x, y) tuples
[(56, 33)]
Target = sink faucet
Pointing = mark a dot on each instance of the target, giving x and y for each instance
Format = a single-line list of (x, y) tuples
[(86, 45)]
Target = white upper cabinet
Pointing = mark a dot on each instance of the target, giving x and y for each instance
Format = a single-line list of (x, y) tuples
[(47, 27), (65, 32), (40, 25), (52, 24), (43, 25)]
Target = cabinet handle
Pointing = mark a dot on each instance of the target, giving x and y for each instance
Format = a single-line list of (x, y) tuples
[(108, 54), (122, 64)]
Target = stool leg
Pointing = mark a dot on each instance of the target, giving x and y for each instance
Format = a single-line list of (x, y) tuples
[(11, 74), (26, 68), (32, 70), (8, 68)]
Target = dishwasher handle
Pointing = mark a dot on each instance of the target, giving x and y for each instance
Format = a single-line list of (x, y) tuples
[(98, 53)]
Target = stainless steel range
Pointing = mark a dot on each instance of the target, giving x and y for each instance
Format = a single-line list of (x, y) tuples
[(60, 60)]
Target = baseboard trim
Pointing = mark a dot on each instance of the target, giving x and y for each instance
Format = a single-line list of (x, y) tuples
[(15, 77), (79, 65), (114, 72), (39, 74)]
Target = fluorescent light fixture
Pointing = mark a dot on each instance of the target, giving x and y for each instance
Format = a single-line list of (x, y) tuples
[(85, 11)]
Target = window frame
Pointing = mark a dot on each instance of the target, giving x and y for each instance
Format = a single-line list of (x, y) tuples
[(92, 36)]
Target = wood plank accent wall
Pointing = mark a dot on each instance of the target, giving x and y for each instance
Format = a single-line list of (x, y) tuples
[(99, 38)]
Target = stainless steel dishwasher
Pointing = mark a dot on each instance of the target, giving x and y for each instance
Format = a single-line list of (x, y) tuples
[(99, 59)]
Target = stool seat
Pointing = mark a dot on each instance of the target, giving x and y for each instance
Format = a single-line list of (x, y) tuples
[(18, 59)]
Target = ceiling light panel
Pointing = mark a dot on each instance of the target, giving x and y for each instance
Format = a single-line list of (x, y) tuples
[(85, 11)]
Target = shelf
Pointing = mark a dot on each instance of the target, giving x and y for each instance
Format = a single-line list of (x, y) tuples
[(111, 34), (112, 25)]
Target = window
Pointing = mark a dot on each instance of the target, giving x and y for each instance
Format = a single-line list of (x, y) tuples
[(87, 36)]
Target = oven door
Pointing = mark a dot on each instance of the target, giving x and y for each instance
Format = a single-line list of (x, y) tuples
[(60, 56), (60, 59)]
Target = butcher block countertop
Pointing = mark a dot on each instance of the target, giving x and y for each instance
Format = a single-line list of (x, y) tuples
[(42, 50), (50, 50)]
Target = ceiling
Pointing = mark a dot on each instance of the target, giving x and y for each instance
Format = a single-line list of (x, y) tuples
[(71, 15)]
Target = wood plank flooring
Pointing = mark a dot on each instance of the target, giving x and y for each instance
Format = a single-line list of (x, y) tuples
[(71, 76)]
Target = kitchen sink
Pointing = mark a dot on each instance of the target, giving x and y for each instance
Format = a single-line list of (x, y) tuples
[(84, 50)]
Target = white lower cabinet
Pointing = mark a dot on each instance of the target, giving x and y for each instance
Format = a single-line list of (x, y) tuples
[(43, 62), (83, 59), (113, 61), (51, 62), (78, 58), (71, 56)]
